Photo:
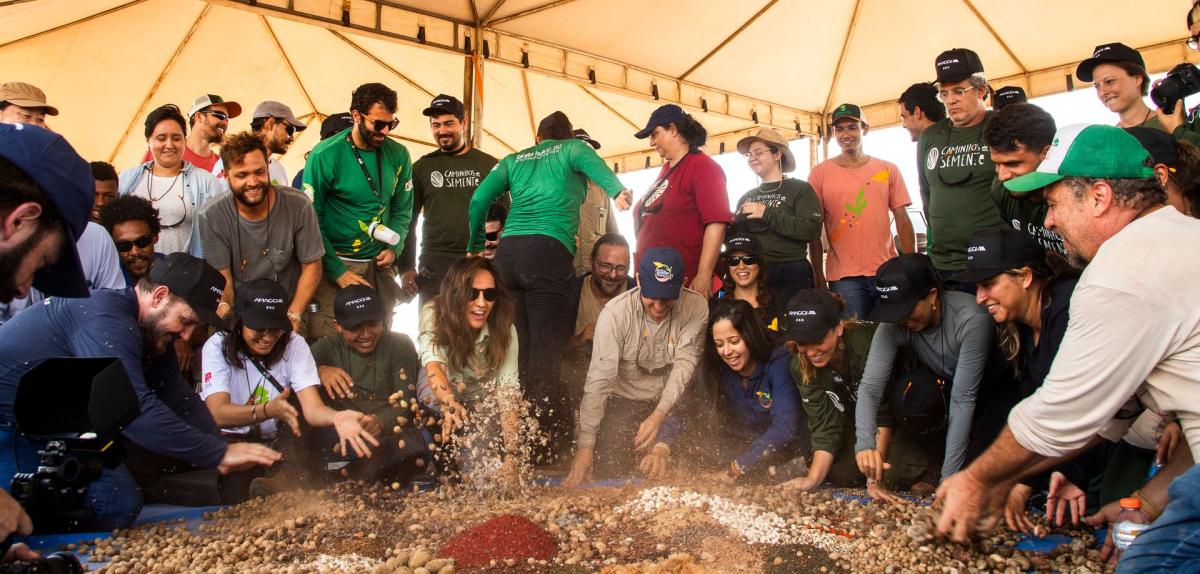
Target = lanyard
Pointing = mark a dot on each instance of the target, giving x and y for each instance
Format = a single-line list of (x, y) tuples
[(367, 174)]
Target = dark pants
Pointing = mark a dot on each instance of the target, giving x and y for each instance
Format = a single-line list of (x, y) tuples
[(537, 270), (786, 278), (860, 296), (430, 273)]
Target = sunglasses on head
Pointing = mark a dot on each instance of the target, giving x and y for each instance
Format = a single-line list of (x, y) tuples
[(141, 243), (489, 294), (217, 114), (734, 260), (492, 235)]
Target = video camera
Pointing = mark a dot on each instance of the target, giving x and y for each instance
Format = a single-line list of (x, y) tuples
[(1182, 81)]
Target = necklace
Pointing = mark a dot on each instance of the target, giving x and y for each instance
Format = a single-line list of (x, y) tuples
[(762, 189), (237, 220), (150, 189)]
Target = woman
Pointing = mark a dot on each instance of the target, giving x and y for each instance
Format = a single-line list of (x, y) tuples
[(176, 188), (757, 398), (687, 207), (745, 280), (251, 373), (783, 213), (952, 338), (468, 346)]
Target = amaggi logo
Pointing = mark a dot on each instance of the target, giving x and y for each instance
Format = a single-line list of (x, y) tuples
[(436, 179), (976, 249), (802, 313), (663, 272), (931, 158)]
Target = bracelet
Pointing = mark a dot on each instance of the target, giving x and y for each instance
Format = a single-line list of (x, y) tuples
[(734, 469), (265, 415), (871, 481), (294, 316), (222, 303), (1150, 506)]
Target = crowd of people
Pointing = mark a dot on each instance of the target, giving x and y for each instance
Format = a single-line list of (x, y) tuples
[(1042, 348)]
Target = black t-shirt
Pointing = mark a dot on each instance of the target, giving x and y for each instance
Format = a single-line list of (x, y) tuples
[(1028, 216), (1035, 361)]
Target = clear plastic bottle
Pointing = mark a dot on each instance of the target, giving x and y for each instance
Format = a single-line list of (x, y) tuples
[(1130, 522)]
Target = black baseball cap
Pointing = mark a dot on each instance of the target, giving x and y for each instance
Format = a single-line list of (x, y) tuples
[(1159, 144), (742, 241), (902, 281), (336, 123), (1008, 95), (66, 179), (994, 251), (1105, 53), (919, 400), (581, 134), (262, 304), (355, 305), (195, 281), (811, 313), (444, 104), (846, 111), (665, 115), (957, 65)]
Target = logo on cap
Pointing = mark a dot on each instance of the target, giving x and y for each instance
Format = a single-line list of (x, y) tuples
[(887, 288), (217, 290), (663, 272), (947, 61), (976, 248), (358, 302), (802, 313), (267, 300)]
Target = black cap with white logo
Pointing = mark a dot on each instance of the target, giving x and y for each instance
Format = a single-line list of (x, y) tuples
[(1108, 53), (994, 251), (957, 65), (811, 314), (194, 281), (355, 305), (262, 304), (443, 104), (1007, 96), (900, 282)]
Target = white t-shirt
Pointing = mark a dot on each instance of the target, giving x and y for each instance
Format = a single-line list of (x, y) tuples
[(168, 196), (1134, 329), (296, 369)]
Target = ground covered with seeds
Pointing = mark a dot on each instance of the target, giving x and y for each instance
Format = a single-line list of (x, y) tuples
[(375, 529)]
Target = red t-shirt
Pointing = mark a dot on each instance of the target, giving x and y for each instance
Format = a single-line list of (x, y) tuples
[(204, 163), (694, 197)]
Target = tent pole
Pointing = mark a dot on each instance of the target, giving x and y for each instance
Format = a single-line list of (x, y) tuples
[(473, 87)]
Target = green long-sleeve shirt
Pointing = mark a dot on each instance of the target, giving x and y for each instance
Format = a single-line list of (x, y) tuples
[(1189, 131), (346, 204), (390, 369), (792, 215), (547, 184)]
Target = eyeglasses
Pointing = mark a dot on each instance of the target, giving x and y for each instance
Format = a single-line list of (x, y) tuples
[(942, 95), (1194, 42), (735, 260), (606, 268), (217, 114), (758, 154), (489, 294), (492, 235), (141, 243), (379, 125)]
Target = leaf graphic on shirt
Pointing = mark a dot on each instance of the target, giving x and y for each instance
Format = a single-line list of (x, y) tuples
[(860, 203), (260, 395)]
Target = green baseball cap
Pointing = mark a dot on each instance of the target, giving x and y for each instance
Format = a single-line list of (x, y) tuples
[(1086, 150), (846, 111)]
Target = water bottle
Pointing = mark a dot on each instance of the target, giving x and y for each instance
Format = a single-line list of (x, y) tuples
[(1130, 522), (383, 233)]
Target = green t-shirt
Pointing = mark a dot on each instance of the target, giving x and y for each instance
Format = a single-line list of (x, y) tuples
[(442, 188), (391, 368), (346, 204), (1189, 131), (547, 184), (956, 174), (1027, 215), (792, 215)]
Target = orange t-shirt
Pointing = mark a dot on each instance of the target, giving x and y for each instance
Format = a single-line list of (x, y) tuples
[(856, 205)]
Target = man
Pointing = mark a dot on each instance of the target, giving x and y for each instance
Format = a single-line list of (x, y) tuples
[(491, 230), (138, 327), (955, 169), (106, 186), (1018, 139), (261, 230), (22, 103), (133, 223), (361, 183), (858, 193), (367, 369), (443, 182), (920, 108), (1134, 330), (595, 217), (647, 344), (208, 118), (276, 125)]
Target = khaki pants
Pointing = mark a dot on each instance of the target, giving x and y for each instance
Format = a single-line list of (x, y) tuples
[(383, 280)]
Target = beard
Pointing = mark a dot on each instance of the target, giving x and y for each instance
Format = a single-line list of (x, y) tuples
[(10, 265), (454, 144), (155, 338), (608, 288), (239, 194), (368, 136)]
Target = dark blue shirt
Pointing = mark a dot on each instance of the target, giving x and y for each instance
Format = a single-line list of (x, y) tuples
[(766, 410), (105, 325), (129, 281)]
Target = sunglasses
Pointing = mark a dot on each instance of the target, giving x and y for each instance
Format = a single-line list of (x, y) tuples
[(380, 125), (735, 260), (217, 114), (492, 235), (141, 243), (489, 294), (289, 128)]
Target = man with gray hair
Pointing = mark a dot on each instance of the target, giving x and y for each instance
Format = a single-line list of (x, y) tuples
[(955, 169)]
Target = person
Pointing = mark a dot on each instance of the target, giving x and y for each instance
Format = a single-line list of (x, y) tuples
[(920, 108), (859, 196), (469, 349), (106, 186), (1018, 138), (596, 217), (443, 182), (175, 187), (646, 350), (134, 226), (1119, 74), (136, 326), (361, 184), (276, 125), (1007, 96), (829, 358), (761, 418), (261, 230), (491, 230), (547, 183), (208, 118), (22, 103), (955, 171), (1177, 166), (1127, 293), (251, 373), (330, 126), (953, 341), (362, 368), (687, 207), (747, 280), (783, 213)]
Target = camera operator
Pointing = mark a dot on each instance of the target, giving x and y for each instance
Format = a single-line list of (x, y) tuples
[(137, 326), (1119, 74)]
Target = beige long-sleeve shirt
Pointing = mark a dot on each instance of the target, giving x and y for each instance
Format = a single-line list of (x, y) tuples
[(636, 358), (595, 219)]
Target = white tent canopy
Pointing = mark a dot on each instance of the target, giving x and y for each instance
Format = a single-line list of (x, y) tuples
[(606, 63)]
